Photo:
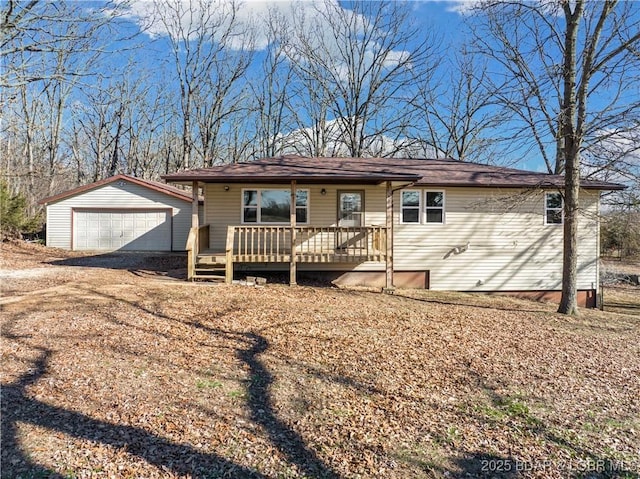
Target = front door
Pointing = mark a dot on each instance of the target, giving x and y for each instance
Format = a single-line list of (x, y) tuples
[(350, 208), (350, 215)]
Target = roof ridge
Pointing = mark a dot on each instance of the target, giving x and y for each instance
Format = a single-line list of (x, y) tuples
[(160, 187)]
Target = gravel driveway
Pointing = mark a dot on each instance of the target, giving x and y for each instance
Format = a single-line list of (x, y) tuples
[(29, 267)]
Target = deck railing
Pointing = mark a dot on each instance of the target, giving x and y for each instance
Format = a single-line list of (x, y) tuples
[(259, 243), (312, 244), (340, 244)]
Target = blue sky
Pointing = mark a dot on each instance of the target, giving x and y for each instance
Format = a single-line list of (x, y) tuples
[(445, 18), (441, 16), (437, 17)]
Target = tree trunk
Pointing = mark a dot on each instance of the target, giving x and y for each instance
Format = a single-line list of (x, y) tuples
[(571, 155), (569, 299)]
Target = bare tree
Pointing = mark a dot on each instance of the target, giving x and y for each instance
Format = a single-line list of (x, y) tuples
[(211, 52), (570, 68), (272, 91), (35, 30), (456, 110), (358, 66), (46, 49), (150, 111)]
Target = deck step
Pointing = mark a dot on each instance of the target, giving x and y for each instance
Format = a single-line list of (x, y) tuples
[(207, 259), (210, 273), (209, 269)]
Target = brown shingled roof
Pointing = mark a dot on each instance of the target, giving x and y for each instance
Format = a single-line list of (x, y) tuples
[(154, 185), (310, 170), (423, 172)]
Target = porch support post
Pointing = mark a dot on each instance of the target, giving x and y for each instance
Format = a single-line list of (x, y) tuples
[(193, 240), (292, 210), (389, 239), (195, 222)]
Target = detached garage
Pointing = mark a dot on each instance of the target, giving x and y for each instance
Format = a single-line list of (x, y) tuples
[(120, 213)]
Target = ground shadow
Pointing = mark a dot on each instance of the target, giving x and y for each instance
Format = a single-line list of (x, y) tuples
[(622, 308), (288, 441), (485, 465), (18, 407), (141, 263), (182, 459), (626, 301)]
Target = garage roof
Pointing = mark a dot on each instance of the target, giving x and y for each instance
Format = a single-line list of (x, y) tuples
[(153, 185)]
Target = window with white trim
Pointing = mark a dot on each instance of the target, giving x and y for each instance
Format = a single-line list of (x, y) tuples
[(410, 206), (273, 206), (553, 209), (434, 206)]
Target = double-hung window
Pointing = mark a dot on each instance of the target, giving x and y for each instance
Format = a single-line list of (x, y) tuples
[(273, 206), (418, 206), (553, 209), (434, 206), (410, 207)]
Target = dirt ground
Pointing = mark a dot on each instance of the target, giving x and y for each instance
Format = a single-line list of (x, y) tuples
[(114, 366)]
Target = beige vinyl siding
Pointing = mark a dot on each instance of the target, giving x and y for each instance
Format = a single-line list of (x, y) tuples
[(510, 247), (119, 195), (224, 208)]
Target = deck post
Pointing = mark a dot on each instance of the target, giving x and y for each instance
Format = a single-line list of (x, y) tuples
[(193, 240), (228, 267), (389, 239), (292, 210)]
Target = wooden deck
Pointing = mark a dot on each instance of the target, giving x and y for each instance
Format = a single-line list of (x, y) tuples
[(210, 257), (272, 244)]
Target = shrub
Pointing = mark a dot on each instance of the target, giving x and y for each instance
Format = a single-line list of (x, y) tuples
[(14, 219)]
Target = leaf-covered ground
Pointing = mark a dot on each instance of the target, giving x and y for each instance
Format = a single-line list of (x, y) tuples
[(125, 372)]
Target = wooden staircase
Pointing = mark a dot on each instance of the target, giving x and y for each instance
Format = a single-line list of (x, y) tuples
[(208, 267)]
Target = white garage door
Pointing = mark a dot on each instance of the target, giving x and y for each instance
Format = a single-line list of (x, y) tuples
[(135, 230)]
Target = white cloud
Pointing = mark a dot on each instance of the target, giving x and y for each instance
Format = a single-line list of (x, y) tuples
[(190, 18), (464, 7), (188, 15), (395, 57), (251, 19), (299, 142), (615, 156), (470, 7)]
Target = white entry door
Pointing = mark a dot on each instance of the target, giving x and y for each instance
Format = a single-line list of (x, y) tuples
[(350, 215), (133, 230), (350, 208)]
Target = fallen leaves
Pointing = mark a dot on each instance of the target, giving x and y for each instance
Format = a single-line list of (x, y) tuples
[(112, 374)]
